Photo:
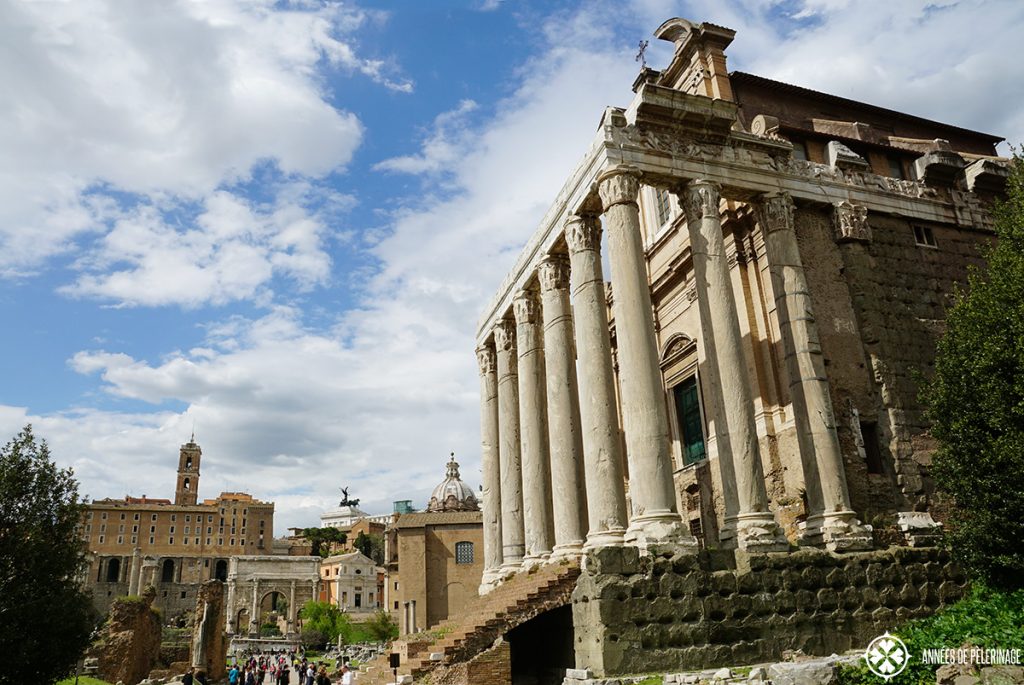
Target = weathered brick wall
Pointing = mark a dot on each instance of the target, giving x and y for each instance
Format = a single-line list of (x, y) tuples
[(634, 614), (492, 667)]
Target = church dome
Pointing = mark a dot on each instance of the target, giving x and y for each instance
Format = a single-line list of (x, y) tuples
[(452, 494)]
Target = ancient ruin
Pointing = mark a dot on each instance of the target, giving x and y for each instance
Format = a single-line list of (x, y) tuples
[(129, 643), (208, 653)]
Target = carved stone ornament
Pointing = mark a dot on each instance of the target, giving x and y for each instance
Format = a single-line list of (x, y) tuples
[(700, 200), (487, 359), (619, 185), (851, 222), (526, 307), (553, 273), (505, 335), (583, 233), (775, 212)]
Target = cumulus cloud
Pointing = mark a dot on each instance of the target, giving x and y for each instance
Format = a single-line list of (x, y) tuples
[(441, 147), (161, 99)]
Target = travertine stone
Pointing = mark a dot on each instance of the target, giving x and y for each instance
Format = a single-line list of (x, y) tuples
[(830, 520), (512, 543), (566, 441), (490, 465), (533, 429), (850, 222), (655, 519), (602, 456), (756, 528)]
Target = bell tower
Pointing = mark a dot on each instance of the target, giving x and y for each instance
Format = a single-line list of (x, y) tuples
[(186, 492)]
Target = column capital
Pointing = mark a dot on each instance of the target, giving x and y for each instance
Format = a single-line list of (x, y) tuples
[(700, 200), (505, 335), (618, 185), (774, 212), (526, 307), (553, 273), (583, 232), (486, 357)]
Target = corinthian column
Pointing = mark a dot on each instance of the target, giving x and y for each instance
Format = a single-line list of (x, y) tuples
[(568, 496), (655, 517), (599, 421), (487, 358), (755, 526), (830, 519), (508, 446), (533, 427)]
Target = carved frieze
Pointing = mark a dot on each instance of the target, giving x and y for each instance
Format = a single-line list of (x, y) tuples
[(583, 233), (850, 222), (619, 185), (969, 210), (526, 307), (775, 212), (505, 335), (700, 200), (487, 359), (553, 273)]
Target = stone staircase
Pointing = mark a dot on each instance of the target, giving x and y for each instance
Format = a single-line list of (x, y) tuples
[(484, 619)]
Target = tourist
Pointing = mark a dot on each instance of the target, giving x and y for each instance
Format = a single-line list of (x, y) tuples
[(346, 675), (233, 675), (187, 678)]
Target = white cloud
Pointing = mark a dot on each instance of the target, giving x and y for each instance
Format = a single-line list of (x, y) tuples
[(441, 147), (161, 99)]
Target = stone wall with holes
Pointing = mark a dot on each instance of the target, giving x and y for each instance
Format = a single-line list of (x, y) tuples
[(635, 614)]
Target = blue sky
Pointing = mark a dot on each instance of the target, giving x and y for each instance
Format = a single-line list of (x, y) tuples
[(278, 221)]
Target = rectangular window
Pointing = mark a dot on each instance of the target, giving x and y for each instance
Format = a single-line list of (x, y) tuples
[(120, 539), (184, 541), (800, 150), (154, 517), (136, 516), (152, 529), (872, 455), (232, 542), (209, 519), (924, 237), (101, 539), (463, 552), (197, 541), (691, 427), (209, 530), (103, 516), (172, 529), (174, 517), (170, 541), (120, 528), (207, 540), (895, 166), (186, 529), (122, 516), (396, 606), (188, 518), (220, 541), (151, 539), (664, 207), (135, 538), (135, 529)]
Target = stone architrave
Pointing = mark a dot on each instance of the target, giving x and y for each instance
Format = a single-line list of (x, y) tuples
[(533, 429), (566, 442), (599, 420), (655, 518), (489, 456), (208, 653), (756, 529), (512, 540), (831, 520)]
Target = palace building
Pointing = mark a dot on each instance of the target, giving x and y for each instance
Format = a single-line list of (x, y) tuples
[(174, 546)]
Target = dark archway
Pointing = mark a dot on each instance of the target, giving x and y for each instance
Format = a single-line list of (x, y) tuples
[(113, 570), (542, 648), (167, 574), (220, 571)]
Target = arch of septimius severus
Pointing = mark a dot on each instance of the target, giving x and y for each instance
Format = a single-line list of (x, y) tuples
[(577, 444)]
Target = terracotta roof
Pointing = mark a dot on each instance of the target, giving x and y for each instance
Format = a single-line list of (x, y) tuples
[(420, 519), (741, 77)]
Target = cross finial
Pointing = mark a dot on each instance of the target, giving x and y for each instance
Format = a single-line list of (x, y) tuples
[(641, 57)]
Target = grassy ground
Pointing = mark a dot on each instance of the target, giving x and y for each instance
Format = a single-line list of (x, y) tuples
[(83, 680)]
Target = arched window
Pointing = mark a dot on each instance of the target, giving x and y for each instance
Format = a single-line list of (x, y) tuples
[(167, 575), (463, 552), (188, 462), (113, 570), (188, 485)]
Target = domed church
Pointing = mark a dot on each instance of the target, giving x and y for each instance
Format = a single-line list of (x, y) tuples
[(452, 494)]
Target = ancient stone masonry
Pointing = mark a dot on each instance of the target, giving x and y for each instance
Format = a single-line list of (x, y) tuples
[(208, 653), (129, 643), (640, 614)]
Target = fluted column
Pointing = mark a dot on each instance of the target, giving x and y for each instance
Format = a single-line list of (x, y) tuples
[(569, 503), (755, 526), (830, 519), (655, 518), (533, 429), (254, 617), (490, 465), (512, 545), (599, 421)]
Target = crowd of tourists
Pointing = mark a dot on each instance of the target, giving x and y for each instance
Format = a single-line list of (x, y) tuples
[(277, 669)]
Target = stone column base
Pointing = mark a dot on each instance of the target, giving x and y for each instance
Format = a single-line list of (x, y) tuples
[(758, 532), (570, 550), (657, 533), (604, 538), (920, 529), (532, 560), (837, 531), (491, 579)]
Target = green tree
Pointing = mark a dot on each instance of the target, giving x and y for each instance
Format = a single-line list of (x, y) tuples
[(370, 545), (321, 539), (45, 617), (976, 405), (327, 619), (382, 627)]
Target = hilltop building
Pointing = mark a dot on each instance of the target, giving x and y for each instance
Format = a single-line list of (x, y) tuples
[(174, 546)]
